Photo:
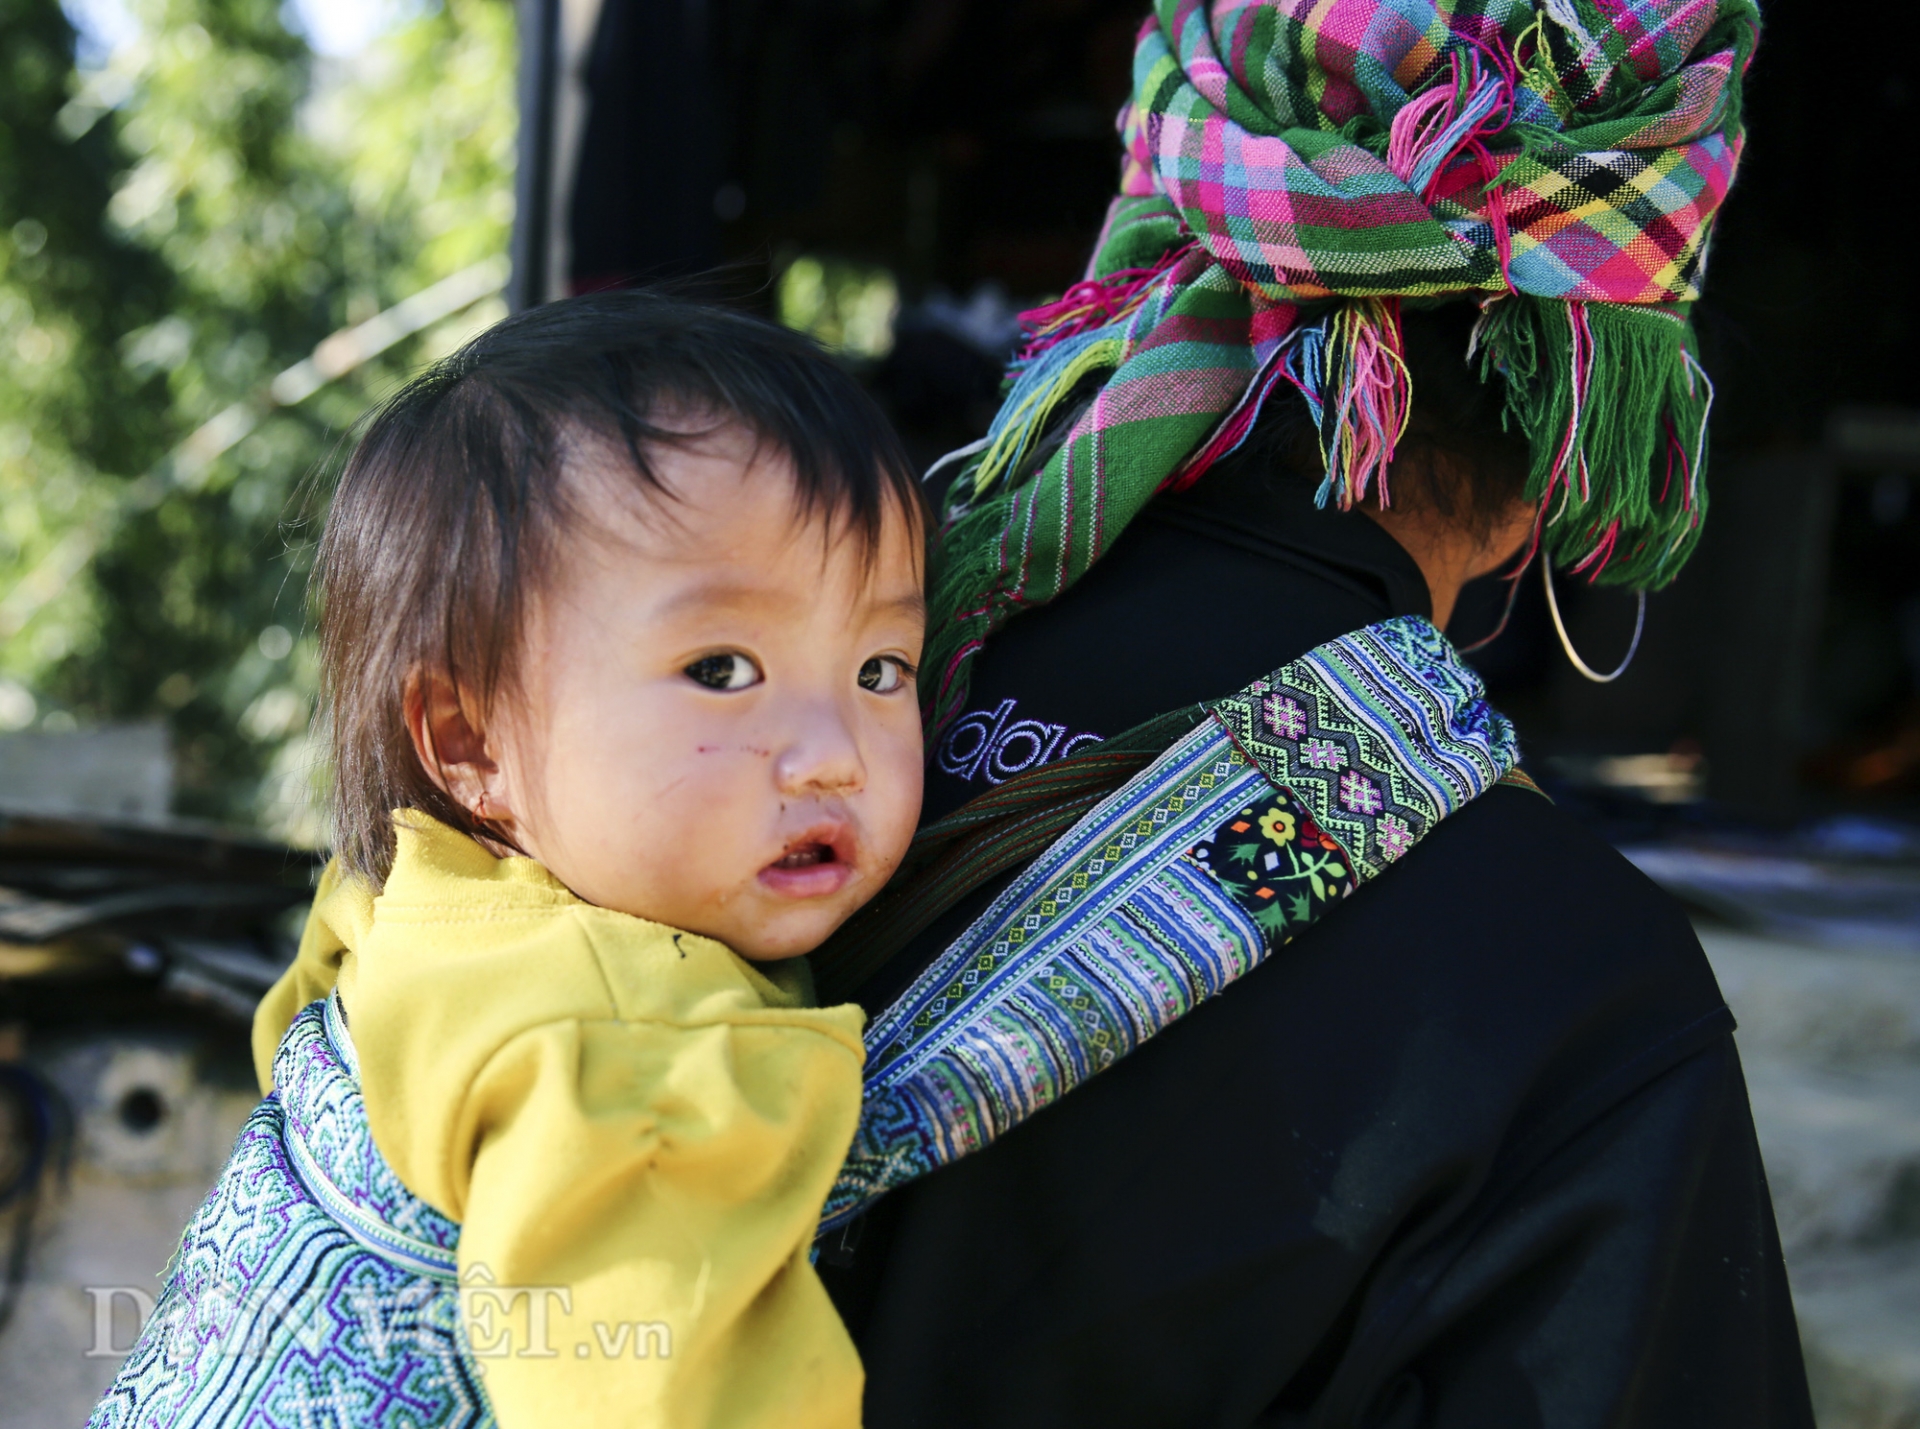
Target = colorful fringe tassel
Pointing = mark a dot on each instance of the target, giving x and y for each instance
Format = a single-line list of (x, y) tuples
[(1352, 369), (1350, 365), (1279, 197), (1082, 332), (1614, 405)]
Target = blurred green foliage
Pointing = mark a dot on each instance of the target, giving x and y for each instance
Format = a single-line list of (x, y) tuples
[(849, 307), (176, 228)]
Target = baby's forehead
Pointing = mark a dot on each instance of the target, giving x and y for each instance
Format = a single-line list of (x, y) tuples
[(721, 589), (725, 521)]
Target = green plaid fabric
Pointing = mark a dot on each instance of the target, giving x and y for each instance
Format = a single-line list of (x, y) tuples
[(1293, 169)]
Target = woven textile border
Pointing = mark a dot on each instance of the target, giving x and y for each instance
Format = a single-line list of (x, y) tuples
[(1380, 733), (1116, 931), (281, 1306)]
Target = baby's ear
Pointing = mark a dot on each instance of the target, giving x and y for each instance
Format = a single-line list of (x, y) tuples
[(449, 739)]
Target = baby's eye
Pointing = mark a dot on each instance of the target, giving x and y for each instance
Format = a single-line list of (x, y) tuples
[(724, 672), (884, 674)]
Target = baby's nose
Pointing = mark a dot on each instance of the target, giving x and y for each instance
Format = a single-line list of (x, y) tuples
[(823, 756)]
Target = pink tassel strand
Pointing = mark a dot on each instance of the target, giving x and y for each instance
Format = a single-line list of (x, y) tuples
[(1452, 120), (1350, 369), (1456, 121), (1089, 304), (1571, 459), (1601, 553)]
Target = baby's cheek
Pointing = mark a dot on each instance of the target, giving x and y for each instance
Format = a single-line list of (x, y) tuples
[(894, 799), (714, 824)]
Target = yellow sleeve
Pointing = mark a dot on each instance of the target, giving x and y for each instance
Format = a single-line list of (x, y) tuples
[(665, 1182)]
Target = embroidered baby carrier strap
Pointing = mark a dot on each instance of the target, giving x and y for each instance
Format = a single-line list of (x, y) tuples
[(1003, 828), (1235, 840), (312, 1287)]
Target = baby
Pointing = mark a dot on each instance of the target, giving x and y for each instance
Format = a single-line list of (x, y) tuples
[(619, 613)]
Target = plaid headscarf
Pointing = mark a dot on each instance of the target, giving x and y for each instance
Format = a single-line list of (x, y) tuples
[(1296, 168)]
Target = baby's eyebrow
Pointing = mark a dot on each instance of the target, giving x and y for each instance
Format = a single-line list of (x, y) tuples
[(736, 594), (740, 595)]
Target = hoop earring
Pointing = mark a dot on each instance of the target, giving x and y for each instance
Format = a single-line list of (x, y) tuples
[(1553, 606), (1506, 612)]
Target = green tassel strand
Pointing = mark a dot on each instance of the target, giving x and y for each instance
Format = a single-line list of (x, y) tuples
[(1614, 409)]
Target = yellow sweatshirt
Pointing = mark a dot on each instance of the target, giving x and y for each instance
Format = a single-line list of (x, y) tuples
[(629, 1114)]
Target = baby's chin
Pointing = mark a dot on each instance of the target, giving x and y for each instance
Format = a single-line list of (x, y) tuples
[(766, 915), (791, 936)]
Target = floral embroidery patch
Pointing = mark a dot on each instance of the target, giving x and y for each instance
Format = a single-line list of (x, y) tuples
[(1277, 863), (1378, 735)]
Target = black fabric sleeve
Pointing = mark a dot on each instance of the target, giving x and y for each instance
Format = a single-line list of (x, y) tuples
[(1632, 1281)]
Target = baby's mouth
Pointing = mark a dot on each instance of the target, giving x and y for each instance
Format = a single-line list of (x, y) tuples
[(807, 856), (817, 864)]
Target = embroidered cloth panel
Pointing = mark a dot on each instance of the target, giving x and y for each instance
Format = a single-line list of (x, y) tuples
[(1234, 841), (312, 1288)]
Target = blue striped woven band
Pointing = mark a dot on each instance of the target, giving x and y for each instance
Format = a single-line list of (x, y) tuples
[(1118, 929)]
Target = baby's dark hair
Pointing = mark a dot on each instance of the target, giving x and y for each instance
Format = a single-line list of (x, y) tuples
[(451, 509)]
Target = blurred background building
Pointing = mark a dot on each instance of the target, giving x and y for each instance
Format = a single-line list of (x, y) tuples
[(229, 226)]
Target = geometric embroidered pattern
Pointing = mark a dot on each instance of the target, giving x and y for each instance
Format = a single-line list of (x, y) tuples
[(1382, 733), (1107, 937), (1180, 882), (312, 1290)]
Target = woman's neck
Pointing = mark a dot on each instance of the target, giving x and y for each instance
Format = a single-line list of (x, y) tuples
[(1450, 552)]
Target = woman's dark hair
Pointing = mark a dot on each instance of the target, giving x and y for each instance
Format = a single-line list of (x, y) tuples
[(1458, 458), (452, 507)]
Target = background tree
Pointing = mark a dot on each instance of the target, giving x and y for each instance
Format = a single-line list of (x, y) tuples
[(232, 205), (72, 414)]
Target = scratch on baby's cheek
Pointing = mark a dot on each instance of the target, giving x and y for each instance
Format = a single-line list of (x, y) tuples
[(706, 749), (756, 749)]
